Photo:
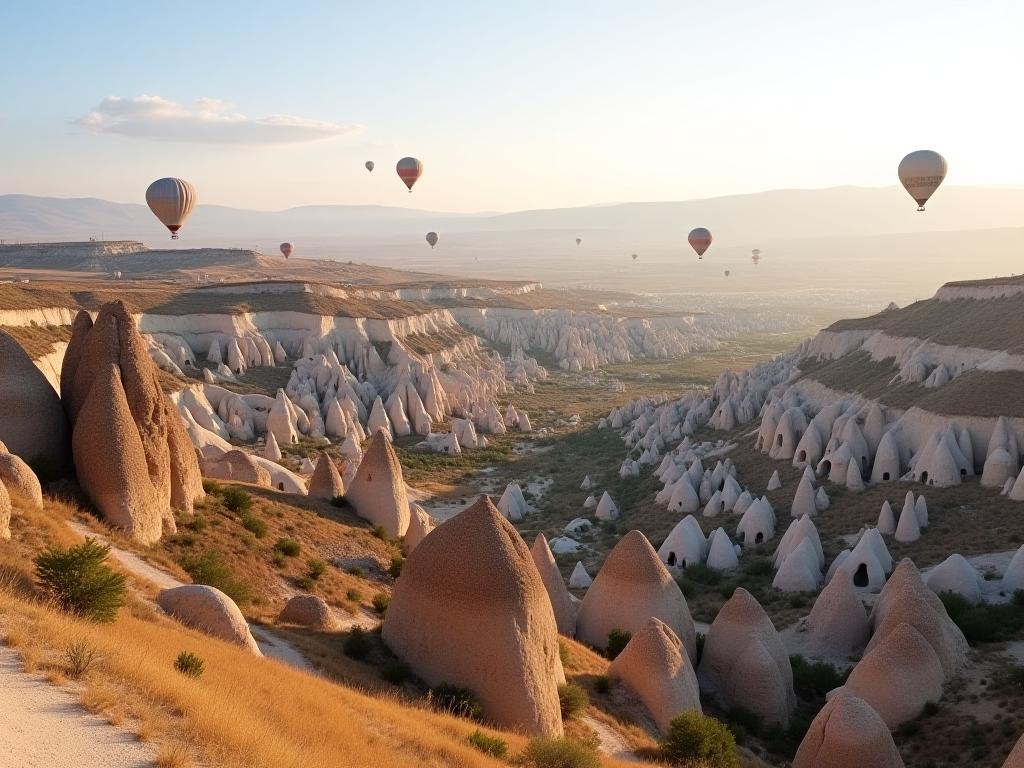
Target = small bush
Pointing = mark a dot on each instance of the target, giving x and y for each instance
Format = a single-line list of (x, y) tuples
[(254, 525), (305, 583), (79, 582), (80, 657), (572, 699), (457, 701), (197, 524), (602, 684), (356, 644), (189, 664), (985, 622), (209, 569), (560, 753), (695, 740), (396, 672), (288, 547), (702, 574), (278, 559), (237, 500), (212, 487), (354, 570), (380, 533), (617, 640), (814, 679), (317, 568), (381, 602), (489, 745), (395, 569), (354, 595)]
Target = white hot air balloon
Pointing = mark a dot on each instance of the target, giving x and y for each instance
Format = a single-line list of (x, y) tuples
[(171, 200), (921, 173)]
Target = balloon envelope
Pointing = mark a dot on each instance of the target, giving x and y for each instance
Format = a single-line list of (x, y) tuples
[(634, 257), (369, 165), (286, 249), (432, 238), (727, 273), (409, 170), (700, 240), (579, 240), (171, 200), (921, 173)]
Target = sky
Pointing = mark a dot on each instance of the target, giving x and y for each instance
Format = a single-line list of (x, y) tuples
[(510, 106)]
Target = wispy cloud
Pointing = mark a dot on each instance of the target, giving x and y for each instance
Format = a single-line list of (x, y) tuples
[(207, 121)]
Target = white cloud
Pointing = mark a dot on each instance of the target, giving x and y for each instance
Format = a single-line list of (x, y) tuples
[(208, 121)]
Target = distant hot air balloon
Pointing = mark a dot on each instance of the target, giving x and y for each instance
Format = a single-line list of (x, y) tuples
[(579, 240), (634, 257), (432, 238), (700, 240), (755, 256), (921, 172), (409, 170), (727, 273), (369, 165), (286, 249), (171, 200)]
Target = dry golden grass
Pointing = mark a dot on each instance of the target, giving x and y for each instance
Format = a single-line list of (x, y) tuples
[(173, 756), (36, 340)]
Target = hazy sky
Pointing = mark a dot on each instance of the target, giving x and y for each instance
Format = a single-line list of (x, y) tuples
[(510, 105)]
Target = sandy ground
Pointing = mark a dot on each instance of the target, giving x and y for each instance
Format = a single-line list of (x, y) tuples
[(41, 726), (610, 743)]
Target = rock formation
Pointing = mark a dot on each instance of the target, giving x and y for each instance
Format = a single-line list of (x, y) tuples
[(847, 733), (326, 482), (837, 626), (210, 611), (631, 587), (19, 478), (470, 609), (656, 667), (561, 600), (308, 611), (378, 490), (236, 466), (5, 514)]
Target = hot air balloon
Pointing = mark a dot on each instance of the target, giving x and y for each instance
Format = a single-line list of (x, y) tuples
[(369, 165), (755, 256), (286, 249), (634, 257), (432, 238), (921, 172), (171, 200), (409, 170), (700, 240), (579, 240), (727, 273)]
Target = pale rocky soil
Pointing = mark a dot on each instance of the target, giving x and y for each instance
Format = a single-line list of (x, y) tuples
[(41, 726)]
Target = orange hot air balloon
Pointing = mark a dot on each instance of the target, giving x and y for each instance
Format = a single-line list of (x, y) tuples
[(286, 249), (171, 200), (409, 170), (369, 165), (432, 239), (700, 240)]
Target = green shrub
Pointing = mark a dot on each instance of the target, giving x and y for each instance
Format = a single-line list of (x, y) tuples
[(197, 524), (572, 699), (381, 602), (288, 547), (985, 622), (602, 684), (254, 525), (189, 664), (560, 753), (380, 532), (396, 672), (305, 583), (617, 640), (354, 595), (356, 644), (237, 500), (702, 574), (454, 700), (317, 568), (79, 582), (278, 559), (489, 745), (212, 487), (814, 679), (395, 569), (695, 740), (354, 570), (209, 569)]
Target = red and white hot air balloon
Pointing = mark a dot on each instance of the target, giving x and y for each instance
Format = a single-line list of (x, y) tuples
[(286, 249), (700, 240), (171, 200), (409, 170)]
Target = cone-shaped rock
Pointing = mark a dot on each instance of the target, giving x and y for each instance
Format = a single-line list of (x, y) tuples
[(656, 667), (847, 733), (837, 626), (470, 609), (378, 490), (326, 482), (561, 600), (632, 586)]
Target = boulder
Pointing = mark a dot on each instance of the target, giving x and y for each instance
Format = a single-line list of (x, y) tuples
[(326, 482), (210, 611), (378, 490), (308, 611), (847, 733), (955, 574), (236, 466), (19, 478), (471, 610), (561, 601), (744, 663), (655, 666), (420, 524), (632, 586)]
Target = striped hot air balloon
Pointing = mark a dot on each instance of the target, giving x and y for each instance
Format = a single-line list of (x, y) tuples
[(700, 240), (409, 170), (171, 200)]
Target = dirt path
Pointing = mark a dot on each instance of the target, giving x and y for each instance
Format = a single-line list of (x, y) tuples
[(270, 643), (610, 743), (41, 726)]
